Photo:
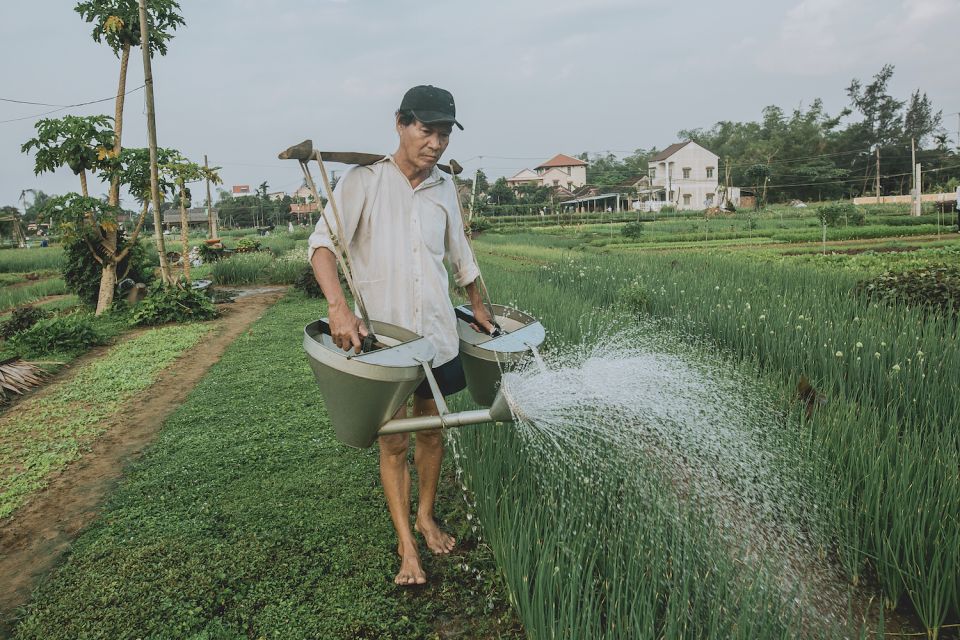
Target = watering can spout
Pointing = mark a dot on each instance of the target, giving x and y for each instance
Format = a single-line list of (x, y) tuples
[(500, 409)]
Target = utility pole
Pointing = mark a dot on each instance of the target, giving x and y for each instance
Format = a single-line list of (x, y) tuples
[(152, 143), (473, 193), (915, 192), (878, 174), (211, 217)]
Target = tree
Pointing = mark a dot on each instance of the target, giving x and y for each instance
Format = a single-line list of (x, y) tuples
[(483, 185), (262, 197), (501, 193), (881, 124), (117, 22), (82, 143), (920, 122), (181, 171), (758, 174)]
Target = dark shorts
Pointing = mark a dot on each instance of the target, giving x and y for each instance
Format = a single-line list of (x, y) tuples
[(449, 378)]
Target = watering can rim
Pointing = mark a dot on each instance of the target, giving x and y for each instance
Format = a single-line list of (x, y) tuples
[(345, 362)]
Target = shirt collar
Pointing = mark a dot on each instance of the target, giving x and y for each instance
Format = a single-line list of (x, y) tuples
[(436, 176)]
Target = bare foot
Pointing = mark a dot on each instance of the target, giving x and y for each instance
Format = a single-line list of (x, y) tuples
[(410, 570), (437, 540)]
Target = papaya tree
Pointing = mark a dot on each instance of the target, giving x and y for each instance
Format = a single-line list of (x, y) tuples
[(81, 217), (83, 143), (181, 171), (117, 23), (132, 169)]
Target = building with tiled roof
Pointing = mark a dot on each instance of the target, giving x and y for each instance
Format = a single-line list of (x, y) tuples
[(685, 175), (559, 171)]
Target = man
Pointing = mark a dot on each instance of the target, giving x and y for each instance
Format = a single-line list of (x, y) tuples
[(958, 208), (401, 219)]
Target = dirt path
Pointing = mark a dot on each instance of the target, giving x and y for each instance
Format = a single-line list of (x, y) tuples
[(33, 540)]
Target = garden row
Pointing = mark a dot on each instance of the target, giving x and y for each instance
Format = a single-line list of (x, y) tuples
[(880, 464)]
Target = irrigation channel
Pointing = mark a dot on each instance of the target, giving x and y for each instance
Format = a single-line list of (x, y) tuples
[(689, 487)]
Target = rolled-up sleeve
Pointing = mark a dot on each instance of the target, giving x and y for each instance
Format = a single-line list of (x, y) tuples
[(349, 194), (459, 256)]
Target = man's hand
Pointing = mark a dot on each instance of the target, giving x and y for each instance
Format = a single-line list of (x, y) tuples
[(484, 323), (346, 329)]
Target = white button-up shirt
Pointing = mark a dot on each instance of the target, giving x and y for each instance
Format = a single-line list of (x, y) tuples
[(398, 237)]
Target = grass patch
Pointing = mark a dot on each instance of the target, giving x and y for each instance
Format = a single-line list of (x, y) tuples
[(15, 296), (46, 433), (246, 519), (260, 267), (25, 260)]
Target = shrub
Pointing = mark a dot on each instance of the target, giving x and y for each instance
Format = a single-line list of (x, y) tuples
[(632, 230), (173, 304), (209, 254), (634, 297), (21, 319), (247, 245), (935, 287), (81, 271), (478, 225), (668, 209), (307, 283), (841, 213), (73, 333), (242, 268), (287, 268)]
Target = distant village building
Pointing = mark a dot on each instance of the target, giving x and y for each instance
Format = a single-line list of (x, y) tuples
[(684, 175), (563, 171), (303, 194), (277, 196), (240, 190), (560, 171), (196, 216)]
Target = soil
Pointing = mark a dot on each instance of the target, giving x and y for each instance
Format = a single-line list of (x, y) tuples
[(36, 536)]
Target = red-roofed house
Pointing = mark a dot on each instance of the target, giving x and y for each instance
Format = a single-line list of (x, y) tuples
[(563, 171), (560, 171), (525, 176)]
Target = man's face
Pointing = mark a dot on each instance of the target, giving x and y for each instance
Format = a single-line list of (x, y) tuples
[(423, 144)]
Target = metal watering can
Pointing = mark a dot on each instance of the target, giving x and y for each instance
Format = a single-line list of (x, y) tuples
[(363, 391)]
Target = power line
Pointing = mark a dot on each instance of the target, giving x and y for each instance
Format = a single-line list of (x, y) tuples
[(60, 107)]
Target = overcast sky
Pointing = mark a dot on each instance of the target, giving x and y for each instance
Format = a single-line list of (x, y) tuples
[(247, 78)]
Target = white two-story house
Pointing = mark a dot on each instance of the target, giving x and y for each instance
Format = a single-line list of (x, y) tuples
[(686, 176)]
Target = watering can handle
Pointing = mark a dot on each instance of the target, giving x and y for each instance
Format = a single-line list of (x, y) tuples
[(469, 318), (370, 342)]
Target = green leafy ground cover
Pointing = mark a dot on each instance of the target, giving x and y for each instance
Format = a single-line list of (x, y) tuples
[(246, 519), (48, 432)]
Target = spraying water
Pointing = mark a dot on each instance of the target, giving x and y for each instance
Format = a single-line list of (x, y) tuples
[(651, 401)]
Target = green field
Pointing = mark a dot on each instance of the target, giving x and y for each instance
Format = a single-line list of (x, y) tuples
[(247, 519)]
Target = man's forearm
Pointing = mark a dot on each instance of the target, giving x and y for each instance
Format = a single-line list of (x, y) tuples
[(324, 265), (473, 293)]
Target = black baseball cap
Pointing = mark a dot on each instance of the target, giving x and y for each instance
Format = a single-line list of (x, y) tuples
[(430, 104)]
